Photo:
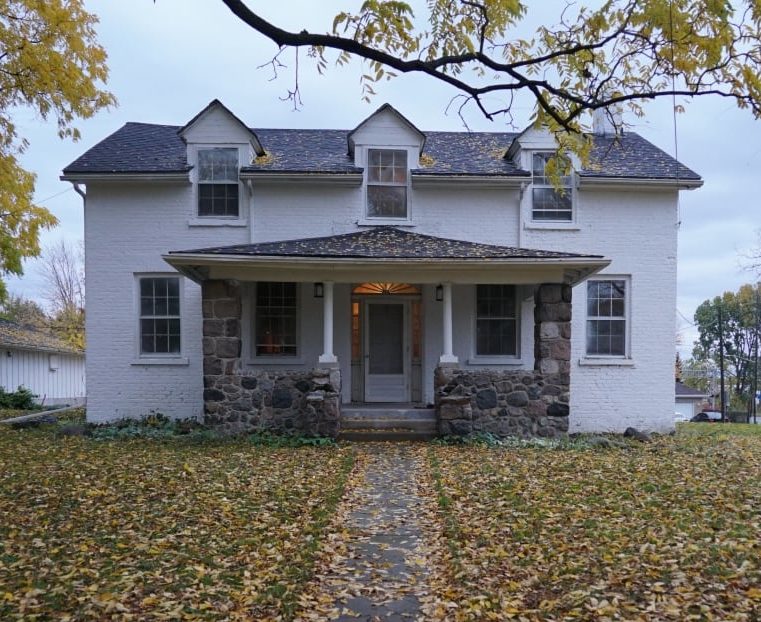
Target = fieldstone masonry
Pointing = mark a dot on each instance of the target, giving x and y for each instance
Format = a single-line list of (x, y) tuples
[(238, 400), (520, 402)]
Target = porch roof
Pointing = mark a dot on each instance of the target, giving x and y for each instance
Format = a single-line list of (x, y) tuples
[(413, 257)]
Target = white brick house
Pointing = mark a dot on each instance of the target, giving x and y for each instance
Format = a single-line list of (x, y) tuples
[(263, 278)]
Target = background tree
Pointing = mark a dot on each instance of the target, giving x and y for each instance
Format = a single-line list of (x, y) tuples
[(62, 267), (23, 311), (623, 52), (50, 61), (740, 315)]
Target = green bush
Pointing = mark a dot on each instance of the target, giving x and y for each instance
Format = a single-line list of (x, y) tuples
[(21, 399)]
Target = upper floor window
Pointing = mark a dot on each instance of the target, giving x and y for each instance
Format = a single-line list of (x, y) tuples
[(160, 315), (548, 202), (606, 317), (218, 182), (496, 321), (387, 183)]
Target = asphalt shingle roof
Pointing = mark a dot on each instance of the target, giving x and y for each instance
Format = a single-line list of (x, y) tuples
[(383, 243), (13, 335), (682, 390), (148, 148)]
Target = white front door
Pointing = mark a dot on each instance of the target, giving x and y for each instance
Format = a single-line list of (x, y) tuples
[(386, 364)]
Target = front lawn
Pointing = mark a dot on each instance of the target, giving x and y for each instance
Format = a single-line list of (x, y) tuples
[(664, 531), (159, 529)]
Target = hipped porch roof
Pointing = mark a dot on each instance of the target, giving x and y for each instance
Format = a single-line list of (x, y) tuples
[(384, 253)]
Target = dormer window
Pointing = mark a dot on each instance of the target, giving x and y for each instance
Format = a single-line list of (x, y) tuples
[(387, 183), (549, 203), (218, 186)]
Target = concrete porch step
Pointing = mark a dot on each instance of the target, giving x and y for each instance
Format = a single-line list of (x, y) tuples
[(385, 435), (387, 423)]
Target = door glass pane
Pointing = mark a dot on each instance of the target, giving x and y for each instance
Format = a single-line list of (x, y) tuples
[(386, 325)]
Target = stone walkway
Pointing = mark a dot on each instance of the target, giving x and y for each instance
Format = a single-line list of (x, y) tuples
[(381, 570)]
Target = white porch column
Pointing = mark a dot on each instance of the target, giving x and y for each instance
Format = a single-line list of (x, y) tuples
[(327, 355), (447, 355)]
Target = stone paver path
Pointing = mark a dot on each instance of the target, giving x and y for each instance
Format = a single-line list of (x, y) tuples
[(381, 569)]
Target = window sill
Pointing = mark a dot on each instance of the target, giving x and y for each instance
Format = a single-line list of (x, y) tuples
[(217, 222), (496, 360), (552, 226), (399, 222), (169, 360), (606, 362), (276, 360)]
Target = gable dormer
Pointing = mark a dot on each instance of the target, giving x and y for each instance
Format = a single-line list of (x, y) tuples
[(386, 145), (544, 205), (218, 145)]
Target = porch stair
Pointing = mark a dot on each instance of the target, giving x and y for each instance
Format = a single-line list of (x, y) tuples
[(387, 422)]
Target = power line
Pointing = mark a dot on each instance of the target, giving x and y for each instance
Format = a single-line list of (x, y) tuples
[(53, 196)]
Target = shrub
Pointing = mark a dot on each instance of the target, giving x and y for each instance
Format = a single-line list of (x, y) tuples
[(21, 399)]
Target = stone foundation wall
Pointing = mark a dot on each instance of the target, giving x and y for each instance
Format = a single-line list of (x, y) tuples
[(523, 403), (304, 402), (505, 403), (236, 400)]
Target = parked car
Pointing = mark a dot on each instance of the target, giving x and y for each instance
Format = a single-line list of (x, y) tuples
[(707, 416)]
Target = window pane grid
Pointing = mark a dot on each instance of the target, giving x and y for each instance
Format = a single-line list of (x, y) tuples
[(160, 315), (496, 320), (548, 202), (218, 182), (387, 183), (276, 330), (606, 318)]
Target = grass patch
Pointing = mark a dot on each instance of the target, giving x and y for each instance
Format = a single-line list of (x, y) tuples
[(652, 532), (138, 529)]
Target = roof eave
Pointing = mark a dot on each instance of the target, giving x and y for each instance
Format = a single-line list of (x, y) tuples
[(502, 181), (318, 177), (639, 182), (170, 176), (201, 266)]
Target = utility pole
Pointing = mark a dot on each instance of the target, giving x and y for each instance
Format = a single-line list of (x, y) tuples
[(721, 365), (755, 356)]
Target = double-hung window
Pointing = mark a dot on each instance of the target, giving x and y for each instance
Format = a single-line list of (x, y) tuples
[(548, 202), (496, 320), (218, 186), (387, 183), (159, 315), (276, 319), (606, 317)]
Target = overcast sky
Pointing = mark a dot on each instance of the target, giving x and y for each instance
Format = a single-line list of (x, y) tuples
[(168, 59)]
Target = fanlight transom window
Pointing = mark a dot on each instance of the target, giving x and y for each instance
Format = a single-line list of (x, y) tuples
[(386, 289)]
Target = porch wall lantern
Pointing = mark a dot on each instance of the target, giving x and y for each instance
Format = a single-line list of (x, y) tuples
[(439, 293), (319, 290)]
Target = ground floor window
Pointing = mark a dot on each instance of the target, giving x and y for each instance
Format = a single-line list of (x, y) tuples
[(276, 319), (496, 320), (606, 317), (160, 315)]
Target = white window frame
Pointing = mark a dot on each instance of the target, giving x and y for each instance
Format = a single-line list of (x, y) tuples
[(196, 220), (157, 358), (570, 188), (379, 220), (613, 358), (249, 332), (505, 359)]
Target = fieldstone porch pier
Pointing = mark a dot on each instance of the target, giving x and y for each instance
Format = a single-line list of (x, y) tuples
[(245, 393)]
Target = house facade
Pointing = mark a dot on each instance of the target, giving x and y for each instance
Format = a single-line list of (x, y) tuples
[(264, 278)]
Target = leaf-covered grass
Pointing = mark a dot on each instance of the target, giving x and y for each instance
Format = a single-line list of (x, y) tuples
[(663, 531), (148, 530)]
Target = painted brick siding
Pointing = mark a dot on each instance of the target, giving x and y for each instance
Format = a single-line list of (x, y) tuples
[(637, 230), (127, 229)]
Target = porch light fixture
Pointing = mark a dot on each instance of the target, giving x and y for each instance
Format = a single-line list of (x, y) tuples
[(319, 290), (439, 293)]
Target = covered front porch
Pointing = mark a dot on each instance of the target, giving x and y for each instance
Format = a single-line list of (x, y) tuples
[(295, 330)]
